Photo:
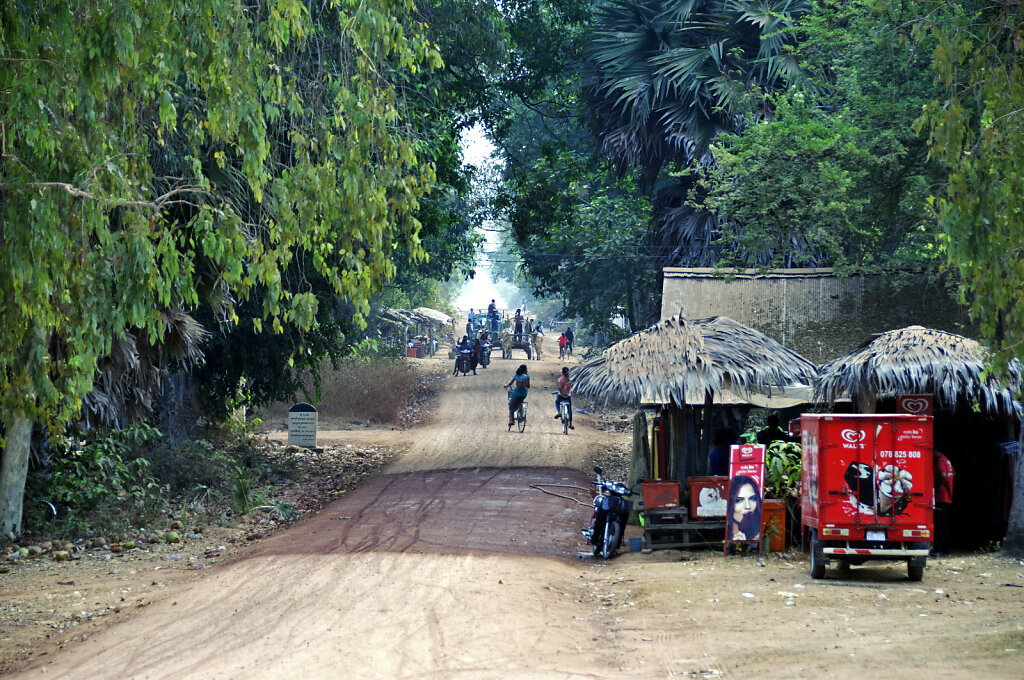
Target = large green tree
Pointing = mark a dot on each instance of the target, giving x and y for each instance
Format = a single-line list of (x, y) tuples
[(977, 128), (156, 154)]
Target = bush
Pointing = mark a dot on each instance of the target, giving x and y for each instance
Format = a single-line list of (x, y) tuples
[(98, 483)]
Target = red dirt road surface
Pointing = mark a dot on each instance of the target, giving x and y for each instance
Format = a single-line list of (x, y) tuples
[(451, 565)]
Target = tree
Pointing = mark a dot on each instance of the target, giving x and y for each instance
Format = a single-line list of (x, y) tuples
[(977, 129), (155, 155), (668, 75), (860, 68), (785, 192)]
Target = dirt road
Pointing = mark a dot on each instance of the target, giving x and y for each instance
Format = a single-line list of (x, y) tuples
[(454, 565)]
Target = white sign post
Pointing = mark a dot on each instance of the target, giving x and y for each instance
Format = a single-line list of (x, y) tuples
[(302, 423)]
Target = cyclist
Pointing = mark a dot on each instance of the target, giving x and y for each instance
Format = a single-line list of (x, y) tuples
[(518, 395), (564, 394), (563, 344)]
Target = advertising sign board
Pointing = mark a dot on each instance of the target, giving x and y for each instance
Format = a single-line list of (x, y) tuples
[(746, 490)]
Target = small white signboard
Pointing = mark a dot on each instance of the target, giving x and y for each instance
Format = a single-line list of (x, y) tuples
[(302, 423)]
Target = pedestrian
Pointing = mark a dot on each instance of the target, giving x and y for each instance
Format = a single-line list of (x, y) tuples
[(772, 432), (944, 474), (718, 457)]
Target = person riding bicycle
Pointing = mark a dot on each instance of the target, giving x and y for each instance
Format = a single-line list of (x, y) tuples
[(460, 349), (518, 395), (564, 394), (563, 344)]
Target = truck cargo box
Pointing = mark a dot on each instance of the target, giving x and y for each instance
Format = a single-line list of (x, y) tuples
[(866, 489)]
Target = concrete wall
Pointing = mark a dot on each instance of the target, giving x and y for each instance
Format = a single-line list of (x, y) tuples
[(811, 311)]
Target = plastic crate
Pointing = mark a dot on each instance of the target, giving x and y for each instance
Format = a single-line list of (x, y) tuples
[(658, 494), (710, 503)]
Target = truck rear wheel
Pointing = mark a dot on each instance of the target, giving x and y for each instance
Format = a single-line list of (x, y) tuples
[(915, 572), (818, 561)]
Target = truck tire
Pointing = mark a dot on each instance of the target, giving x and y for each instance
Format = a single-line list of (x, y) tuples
[(528, 352), (818, 561), (915, 572)]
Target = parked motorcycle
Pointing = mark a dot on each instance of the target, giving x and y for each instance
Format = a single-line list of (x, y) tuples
[(611, 510)]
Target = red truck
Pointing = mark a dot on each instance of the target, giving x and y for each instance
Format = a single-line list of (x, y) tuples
[(866, 490)]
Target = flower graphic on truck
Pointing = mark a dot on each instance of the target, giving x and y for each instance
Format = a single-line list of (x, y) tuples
[(882, 491)]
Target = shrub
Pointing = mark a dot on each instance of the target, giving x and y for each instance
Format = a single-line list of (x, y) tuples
[(97, 483)]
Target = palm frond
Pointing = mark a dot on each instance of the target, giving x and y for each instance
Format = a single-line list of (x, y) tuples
[(918, 360)]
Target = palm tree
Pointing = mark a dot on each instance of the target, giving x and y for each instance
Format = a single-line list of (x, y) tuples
[(666, 76)]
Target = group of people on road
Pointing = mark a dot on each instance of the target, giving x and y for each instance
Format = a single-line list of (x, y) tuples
[(473, 350), (518, 393)]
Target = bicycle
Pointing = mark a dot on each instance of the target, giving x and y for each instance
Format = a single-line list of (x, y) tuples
[(519, 416), (563, 410)]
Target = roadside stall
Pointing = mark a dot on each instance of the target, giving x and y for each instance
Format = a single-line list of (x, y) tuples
[(419, 331), (976, 419), (700, 376)]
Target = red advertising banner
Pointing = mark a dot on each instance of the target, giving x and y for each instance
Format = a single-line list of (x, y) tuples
[(746, 484), (915, 404)]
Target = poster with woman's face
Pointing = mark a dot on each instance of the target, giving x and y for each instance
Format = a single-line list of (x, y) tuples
[(746, 484)]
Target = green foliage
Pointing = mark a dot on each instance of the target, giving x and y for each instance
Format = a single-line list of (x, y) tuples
[(977, 128), (868, 78), (668, 75), (245, 497), (155, 156), (783, 466), (102, 482), (787, 192)]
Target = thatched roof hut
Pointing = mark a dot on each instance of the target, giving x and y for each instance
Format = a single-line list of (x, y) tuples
[(919, 360), (683, 361)]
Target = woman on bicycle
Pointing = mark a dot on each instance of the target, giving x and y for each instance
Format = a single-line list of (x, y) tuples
[(518, 395), (564, 392)]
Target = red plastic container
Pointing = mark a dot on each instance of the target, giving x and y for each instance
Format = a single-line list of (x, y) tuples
[(659, 495), (708, 497)]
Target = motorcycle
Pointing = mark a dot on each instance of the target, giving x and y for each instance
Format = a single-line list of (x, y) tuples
[(611, 510), (485, 354), (462, 363)]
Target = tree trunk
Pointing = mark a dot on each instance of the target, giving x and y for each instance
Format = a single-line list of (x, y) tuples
[(1013, 544), (13, 471), (641, 453)]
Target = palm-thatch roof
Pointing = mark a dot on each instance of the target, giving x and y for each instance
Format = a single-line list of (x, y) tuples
[(683, 361), (919, 360), (439, 318), (424, 316)]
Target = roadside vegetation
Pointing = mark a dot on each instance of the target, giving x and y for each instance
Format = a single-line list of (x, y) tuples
[(121, 484)]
